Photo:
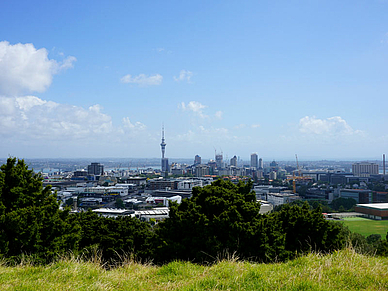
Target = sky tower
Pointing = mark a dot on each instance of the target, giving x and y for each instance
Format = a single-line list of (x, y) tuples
[(163, 144), (165, 166)]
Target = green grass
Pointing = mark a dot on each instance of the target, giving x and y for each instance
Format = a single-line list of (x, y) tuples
[(343, 270), (367, 226)]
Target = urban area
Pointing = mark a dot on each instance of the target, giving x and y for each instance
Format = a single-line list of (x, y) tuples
[(341, 188)]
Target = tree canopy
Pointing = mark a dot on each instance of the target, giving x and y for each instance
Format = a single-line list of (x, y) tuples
[(31, 222), (223, 217)]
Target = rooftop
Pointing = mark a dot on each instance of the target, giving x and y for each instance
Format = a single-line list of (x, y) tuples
[(380, 206)]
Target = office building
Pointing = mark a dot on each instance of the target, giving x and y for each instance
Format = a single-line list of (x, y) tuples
[(261, 164), (95, 169), (254, 161), (233, 161), (197, 160)]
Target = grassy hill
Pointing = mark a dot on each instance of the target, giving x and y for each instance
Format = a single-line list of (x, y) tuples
[(343, 270)]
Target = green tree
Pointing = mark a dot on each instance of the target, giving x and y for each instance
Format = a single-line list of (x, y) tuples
[(216, 219), (307, 230), (30, 219), (346, 203), (224, 217), (69, 202), (114, 236), (119, 203)]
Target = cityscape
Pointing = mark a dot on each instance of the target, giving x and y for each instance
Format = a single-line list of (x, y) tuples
[(193, 145), (128, 187)]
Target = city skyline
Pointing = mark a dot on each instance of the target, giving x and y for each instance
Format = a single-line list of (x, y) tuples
[(90, 80)]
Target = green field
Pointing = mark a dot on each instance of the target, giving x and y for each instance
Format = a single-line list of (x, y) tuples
[(367, 226), (342, 270)]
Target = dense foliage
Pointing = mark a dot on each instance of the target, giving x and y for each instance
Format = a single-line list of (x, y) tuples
[(31, 222), (224, 217)]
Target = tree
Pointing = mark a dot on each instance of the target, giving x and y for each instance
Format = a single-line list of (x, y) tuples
[(119, 203), (346, 203), (69, 202), (307, 230), (114, 236), (218, 218), (30, 219), (224, 217)]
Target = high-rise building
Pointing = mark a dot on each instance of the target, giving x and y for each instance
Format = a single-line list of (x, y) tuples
[(254, 161), (219, 161), (261, 164), (95, 169), (165, 166), (365, 169), (274, 166), (197, 160), (202, 170), (233, 161)]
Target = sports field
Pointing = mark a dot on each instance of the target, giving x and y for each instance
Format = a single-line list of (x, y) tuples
[(367, 226)]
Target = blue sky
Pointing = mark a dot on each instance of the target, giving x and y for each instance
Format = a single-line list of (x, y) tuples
[(98, 78)]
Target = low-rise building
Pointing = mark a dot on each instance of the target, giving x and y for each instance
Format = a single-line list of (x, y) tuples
[(282, 198), (377, 211)]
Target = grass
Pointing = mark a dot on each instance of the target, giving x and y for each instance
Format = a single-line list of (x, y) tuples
[(367, 226), (342, 270)]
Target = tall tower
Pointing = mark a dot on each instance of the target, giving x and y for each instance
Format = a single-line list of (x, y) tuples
[(165, 167), (163, 144)]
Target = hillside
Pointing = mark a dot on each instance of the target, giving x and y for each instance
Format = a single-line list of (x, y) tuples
[(339, 271)]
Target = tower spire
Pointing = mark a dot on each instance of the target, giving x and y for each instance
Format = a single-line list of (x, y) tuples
[(163, 144)]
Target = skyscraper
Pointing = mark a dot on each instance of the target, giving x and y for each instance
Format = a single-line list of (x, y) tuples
[(233, 161), (261, 164), (165, 167), (254, 161), (219, 161), (197, 160)]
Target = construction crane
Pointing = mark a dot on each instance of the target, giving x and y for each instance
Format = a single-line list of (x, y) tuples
[(299, 177)]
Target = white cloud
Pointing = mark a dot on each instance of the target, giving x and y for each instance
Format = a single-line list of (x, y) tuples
[(195, 107), (143, 80), (32, 118), (330, 126), (219, 114), (255, 125), (184, 75), (67, 63), (25, 69), (137, 125)]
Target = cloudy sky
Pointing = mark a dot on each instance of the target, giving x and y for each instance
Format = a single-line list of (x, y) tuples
[(99, 78)]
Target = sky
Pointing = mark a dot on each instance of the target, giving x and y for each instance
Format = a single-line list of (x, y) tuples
[(82, 79)]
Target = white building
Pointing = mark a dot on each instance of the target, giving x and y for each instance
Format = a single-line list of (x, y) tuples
[(281, 198), (189, 184)]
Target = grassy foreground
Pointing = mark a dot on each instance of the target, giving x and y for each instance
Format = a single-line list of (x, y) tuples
[(343, 270), (366, 226)]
